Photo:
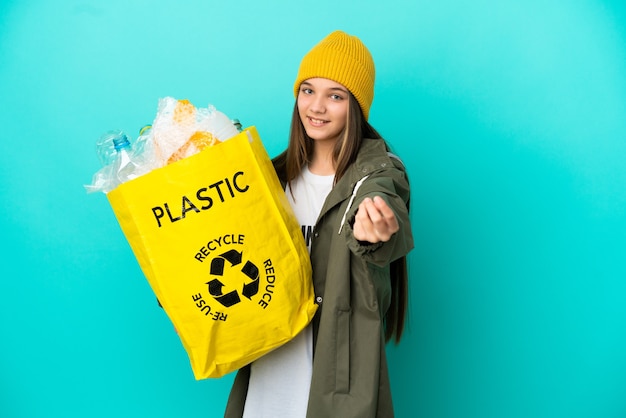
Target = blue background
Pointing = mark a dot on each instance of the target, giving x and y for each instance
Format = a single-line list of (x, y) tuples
[(511, 117)]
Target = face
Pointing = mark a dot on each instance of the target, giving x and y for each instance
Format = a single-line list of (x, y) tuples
[(323, 108)]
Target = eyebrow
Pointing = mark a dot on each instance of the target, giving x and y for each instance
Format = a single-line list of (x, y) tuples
[(341, 89)]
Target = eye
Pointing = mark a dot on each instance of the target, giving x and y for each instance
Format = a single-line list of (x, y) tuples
[(336, 97), (306, 90)]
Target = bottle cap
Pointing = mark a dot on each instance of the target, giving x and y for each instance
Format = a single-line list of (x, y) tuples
[(144, 129), (237, 124), (121, 142)]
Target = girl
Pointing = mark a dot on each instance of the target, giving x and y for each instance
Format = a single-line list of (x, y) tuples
[(351, 197)]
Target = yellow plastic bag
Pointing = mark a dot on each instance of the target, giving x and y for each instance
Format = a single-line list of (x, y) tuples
[(218, 242)]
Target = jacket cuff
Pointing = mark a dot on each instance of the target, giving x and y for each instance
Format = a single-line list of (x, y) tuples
[(359, 248)]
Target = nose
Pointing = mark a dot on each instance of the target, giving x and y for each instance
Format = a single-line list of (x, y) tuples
[(317, 104)]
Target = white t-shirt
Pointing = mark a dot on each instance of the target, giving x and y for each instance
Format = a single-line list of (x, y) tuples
[(280, 380)]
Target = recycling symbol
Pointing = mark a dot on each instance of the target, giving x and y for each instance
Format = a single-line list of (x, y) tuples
[(250, 278)]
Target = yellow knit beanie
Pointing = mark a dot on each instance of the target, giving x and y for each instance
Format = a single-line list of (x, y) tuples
[(344, 59)]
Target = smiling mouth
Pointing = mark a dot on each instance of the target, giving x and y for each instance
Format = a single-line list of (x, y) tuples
[(317, 122)]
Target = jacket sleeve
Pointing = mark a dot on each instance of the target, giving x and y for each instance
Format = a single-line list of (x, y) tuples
[(238, 394), (393, 186)]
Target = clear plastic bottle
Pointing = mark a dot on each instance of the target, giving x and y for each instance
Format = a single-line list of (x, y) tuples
[(117, 159), (124, 167), (105, 148)]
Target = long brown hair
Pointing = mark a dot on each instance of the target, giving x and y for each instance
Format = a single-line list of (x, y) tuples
[(289, 165)]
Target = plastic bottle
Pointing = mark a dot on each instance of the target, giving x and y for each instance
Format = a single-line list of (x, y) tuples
[(105, 148), (142, 150), (118, 165), (124, 167)]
